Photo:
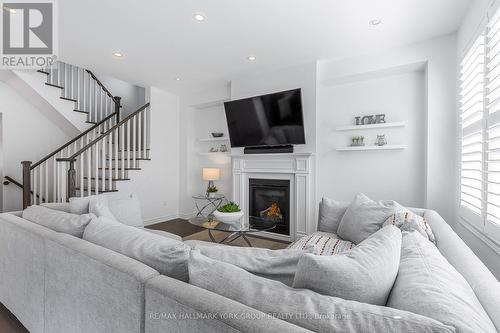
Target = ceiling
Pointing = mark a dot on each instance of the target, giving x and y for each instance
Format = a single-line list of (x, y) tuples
[(161, 41)]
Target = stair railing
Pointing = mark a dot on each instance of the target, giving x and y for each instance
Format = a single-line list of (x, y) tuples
[(107, 156), (41, 178), (82, 87)]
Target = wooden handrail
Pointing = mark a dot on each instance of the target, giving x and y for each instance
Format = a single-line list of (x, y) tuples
[(9, 180), (100, 84), (72, 141), (73, 157)]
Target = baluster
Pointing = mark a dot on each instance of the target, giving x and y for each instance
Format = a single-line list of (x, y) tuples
[(96, 156), (54, 179), (129, 134), (89, 170), (110, 160), (67, 81), (46, 183), (103, 162), (85, 94), (133, 120), (122, 151), (116, 158), (34, 187)]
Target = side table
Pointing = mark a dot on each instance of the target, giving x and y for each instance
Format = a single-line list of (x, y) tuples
[(206, 205)]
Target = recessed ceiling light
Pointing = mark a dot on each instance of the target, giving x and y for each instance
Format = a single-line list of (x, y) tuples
[(177, 79), (375, 22), (252, 58), (10, 10), (118, 54), (199, 17)]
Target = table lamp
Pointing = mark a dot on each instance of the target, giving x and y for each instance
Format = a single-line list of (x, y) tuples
[(211, 174)]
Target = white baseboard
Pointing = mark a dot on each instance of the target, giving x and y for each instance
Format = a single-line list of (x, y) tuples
[(168, 218)]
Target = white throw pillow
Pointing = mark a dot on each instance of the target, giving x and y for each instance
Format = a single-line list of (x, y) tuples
[(127, 210), (364, 217), (409, 221), (168, 256), (364, 274), (57, 220), (330, 214), (85, 205), (102, 209)]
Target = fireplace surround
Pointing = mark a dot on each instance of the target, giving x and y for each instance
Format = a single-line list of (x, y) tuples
[(296, 169)]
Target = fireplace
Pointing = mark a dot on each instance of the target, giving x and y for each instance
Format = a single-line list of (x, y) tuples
[(270, 199)]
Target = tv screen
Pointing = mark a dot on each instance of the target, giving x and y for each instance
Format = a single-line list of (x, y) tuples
[(267, 120)]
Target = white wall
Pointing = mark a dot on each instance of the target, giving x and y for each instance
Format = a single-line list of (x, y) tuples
[(438, 57), (27, 134), (157, 184), (394, 175), (133, 97)]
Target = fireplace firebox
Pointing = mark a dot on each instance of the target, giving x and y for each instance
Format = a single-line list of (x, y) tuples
[(270, 199)]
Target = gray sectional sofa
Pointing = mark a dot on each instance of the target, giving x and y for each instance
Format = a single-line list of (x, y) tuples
[(54, 282)]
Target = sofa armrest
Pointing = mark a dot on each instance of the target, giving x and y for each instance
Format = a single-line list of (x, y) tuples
[(163, 233), (175, 306)]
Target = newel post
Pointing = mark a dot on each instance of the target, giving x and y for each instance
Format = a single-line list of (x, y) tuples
[(71, 180), (26, 183), (117, 108)]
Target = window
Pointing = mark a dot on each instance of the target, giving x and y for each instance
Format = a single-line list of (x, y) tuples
[(480, 126)]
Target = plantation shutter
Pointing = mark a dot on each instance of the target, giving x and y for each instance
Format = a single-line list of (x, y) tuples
[(472, 86), (492, 125)]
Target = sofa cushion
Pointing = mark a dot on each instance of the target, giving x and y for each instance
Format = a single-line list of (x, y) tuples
[(364, 217), (429, 285), (326, 243), (84, 205), (278, 265), (127, 210), (330, 214), (57, 220), (409, 221), (166, 255), (102, 209), (364, 274), (61, 206), (302, 307)]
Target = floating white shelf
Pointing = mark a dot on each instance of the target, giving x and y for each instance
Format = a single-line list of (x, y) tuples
[(365, 148), (215, 153), (371, 126), (224, 138), (211, 104)]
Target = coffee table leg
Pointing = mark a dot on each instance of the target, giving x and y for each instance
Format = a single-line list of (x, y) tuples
[(211, 236), (246, 239)]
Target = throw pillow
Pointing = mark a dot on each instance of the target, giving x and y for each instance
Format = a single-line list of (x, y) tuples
[(330, 214), (364, 274), (278, 265), (127, 210), (166, 255), (84, 205), (326, 243), (61, 206), (57, 220), (302, 307), (365, 217), (409, 221), (102, 209), (429, 285)]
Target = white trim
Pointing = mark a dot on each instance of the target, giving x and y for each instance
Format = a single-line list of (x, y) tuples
[(161, 219), (365, 148), (476, 232), (371, 126)]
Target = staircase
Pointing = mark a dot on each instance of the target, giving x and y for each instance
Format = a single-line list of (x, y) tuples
[(95, 160)]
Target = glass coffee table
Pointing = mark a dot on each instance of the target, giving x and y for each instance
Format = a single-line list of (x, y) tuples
[(256, 224)]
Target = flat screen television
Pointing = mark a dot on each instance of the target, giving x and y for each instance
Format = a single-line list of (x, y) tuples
[(267, 120)]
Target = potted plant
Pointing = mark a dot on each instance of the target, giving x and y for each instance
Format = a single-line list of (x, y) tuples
[(211, 190), (230, 213)]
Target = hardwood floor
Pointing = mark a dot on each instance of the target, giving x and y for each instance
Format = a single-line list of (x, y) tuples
[(9, 323)]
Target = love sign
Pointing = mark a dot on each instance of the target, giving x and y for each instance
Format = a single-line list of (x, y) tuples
[(373, 119)]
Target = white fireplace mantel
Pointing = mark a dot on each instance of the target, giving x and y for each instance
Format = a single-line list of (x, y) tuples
[(296, 167)]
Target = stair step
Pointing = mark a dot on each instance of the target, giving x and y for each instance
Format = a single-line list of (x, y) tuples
[(80, 111), (90, 122), (68, 99), (43, 72), (137, 159), (106, 168), (53, 85), (85, 189), (107, 179)]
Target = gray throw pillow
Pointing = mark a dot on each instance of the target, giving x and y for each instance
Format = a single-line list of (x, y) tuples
[(330, 214), (364, 217), (365, 273), (429, 285), (166, 255), (278, 265), (302, 307), (57, 220)]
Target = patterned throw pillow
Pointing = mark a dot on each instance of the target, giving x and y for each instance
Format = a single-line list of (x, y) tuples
[(326, 243), (409, 221)]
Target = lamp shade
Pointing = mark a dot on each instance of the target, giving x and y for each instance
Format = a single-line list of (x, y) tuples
[(211, 173)]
